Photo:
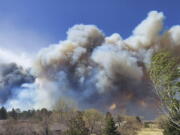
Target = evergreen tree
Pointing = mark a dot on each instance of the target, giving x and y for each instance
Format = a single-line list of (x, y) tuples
[(3, 113), (110, 128)]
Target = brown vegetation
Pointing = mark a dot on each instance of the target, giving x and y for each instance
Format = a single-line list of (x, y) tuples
[(69, 121)]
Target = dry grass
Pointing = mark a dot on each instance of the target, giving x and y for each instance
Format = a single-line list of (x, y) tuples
[(150, 131)]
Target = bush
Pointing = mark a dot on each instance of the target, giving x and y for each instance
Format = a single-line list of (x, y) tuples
[(171, 129), (146, 125), (76, 125), (133, 124)]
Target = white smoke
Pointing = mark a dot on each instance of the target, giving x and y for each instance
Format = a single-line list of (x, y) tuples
[(21, 59), (115, 62), (96, 71), (147, 32), (85, 36), (89, 64), (174, 35)]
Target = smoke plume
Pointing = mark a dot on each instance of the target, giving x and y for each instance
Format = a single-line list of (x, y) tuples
[(11, 78), (95, 70)]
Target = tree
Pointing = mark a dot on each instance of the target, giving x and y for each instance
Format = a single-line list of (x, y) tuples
[(170, 128), (3, 113), (93, 120), (13, 114), (45, 114), (110, 128), (65, 109), (77, 126), (165, 75)]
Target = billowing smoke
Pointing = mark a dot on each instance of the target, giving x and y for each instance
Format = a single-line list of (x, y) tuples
[(11, 79), (147, 32), (98, 71)]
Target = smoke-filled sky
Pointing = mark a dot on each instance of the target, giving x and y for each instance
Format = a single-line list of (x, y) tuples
[(96, 54)]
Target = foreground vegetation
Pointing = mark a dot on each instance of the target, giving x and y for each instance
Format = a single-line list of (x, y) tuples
[(165, 75), (67, 121)]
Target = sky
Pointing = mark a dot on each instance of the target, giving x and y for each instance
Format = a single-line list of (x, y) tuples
[(29, 25)]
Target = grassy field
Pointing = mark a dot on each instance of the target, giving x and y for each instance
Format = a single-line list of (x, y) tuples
[(150, 131)]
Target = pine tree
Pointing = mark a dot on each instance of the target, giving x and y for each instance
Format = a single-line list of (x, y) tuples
[(110, 128), (3, 113)]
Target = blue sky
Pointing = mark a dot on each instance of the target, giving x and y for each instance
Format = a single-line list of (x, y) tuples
[(50, 19)]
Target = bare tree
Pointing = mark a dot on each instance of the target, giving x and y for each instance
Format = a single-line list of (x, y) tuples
[(93, 120)]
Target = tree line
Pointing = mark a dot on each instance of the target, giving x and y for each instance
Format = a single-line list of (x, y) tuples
[(77, 122)]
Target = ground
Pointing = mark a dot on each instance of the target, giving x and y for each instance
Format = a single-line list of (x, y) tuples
[(150, 131)]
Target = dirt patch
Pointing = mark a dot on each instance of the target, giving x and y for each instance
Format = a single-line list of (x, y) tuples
[(150, 131)]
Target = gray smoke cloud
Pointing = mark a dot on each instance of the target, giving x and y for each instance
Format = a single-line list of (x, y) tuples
[(11, 79), (99, 71)]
